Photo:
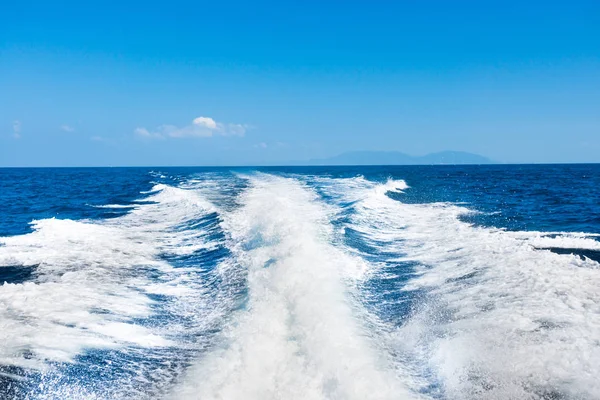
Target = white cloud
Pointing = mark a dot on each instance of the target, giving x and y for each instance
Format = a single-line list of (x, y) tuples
[(205, 122), (67, 128), (200, 127), (16, 129), (261, 145)]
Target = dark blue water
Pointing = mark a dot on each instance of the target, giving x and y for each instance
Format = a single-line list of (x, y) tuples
[(459, 282), (523, 197)]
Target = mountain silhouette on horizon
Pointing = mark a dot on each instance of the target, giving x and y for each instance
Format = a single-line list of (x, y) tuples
[(399, 158)]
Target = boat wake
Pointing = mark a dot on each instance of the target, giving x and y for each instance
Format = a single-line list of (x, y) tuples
[(274, 286)]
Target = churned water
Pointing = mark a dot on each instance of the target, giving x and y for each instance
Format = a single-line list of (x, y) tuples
[(420, 282)]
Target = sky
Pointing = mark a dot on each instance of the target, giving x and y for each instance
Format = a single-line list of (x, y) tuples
[(102, 83)]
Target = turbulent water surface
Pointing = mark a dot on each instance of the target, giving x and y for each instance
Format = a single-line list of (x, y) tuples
[(300, 283)]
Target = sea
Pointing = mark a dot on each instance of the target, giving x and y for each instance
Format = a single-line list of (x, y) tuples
[(342, 283)]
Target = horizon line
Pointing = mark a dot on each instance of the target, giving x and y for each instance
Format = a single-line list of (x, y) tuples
[(301, 165)]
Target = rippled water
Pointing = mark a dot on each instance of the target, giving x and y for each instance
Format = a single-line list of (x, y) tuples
[(441, 282)]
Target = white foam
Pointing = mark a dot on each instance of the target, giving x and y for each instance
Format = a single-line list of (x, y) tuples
[(90, 284), (115, 206), (300, 337), (502, 320), (391, 185), (559, 240)]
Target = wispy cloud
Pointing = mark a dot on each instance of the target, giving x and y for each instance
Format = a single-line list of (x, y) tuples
[(67, 128), (201, 127), (16, 126), (145, 133), (261, 145)]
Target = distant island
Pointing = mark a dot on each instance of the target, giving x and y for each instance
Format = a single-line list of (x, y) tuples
[(398, 158)]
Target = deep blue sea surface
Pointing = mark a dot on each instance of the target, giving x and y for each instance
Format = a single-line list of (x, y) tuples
[(407, 282)]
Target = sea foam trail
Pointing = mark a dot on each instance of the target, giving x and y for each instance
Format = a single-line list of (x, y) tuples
[(299, 336), (94, 286), (500, 319)]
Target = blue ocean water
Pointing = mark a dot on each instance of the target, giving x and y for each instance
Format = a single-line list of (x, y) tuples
[(424, 282)]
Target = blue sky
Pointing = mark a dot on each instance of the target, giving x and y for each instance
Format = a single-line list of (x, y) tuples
[(231, 82)]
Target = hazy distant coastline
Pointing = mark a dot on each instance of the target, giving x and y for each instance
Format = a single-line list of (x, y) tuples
[(399, 158)]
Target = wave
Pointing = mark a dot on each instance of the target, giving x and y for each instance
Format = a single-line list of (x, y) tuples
[(299, 335), (261, 286), (496, 318), (116, 206), (128, 285)]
